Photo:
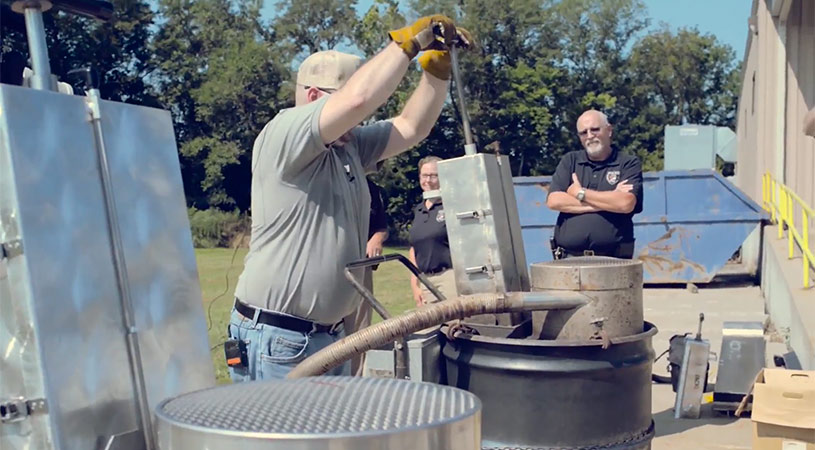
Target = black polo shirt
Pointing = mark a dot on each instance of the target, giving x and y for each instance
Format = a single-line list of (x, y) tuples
[(600, 231), (428, 237)]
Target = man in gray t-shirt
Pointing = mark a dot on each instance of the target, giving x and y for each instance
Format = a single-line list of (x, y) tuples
[(310, 199)]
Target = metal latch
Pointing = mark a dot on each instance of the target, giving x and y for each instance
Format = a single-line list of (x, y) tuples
[(473, 214), (18, 409), (11, 249), (487, 268)]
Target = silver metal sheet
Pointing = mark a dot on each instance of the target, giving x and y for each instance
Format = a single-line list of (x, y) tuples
[(20, 362), (692, 379), (514, 222), (67, 280), (158, 250), (331, 413), (66, 341), (479, 226)]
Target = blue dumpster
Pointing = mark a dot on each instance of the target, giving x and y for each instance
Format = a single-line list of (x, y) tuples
[(692, 223)]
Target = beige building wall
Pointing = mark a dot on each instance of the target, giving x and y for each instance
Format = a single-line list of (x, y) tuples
[(777, 91)]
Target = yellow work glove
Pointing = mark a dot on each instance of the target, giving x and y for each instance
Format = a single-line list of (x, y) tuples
[(438, 62), (420, 36)]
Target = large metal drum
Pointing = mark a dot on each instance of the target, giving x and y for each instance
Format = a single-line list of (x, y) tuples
[(322, 413), (558, 394), (614, 285)]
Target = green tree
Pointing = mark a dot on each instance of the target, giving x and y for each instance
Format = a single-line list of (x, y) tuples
[(682, 77), (117, 50), (313, 25), (223, 82)]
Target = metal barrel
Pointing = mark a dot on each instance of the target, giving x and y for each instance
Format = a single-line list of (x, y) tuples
[(322, 413), (540, 394), (614, 285)]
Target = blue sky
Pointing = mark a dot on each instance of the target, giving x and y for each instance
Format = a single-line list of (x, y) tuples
[(725, 19)]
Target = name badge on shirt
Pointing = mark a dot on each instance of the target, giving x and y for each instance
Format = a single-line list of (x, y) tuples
[(613, 176)]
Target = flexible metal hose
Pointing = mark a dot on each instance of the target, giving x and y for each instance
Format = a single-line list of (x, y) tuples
[(458, 308)]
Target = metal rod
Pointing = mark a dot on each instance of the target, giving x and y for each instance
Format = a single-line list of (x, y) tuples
[(400, 357), (35, 30), (367, 295), (469, 145), (120, 268), (406, 262), (550, 300), (400, 345)]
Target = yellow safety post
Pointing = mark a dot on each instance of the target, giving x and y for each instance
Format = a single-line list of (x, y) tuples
[(791, 226), (805, 224), (781, 211)]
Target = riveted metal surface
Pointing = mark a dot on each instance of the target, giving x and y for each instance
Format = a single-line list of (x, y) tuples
[(614, 285), (345, 412)]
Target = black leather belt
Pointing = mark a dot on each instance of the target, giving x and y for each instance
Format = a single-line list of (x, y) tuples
[(283, 321), (624, 250)]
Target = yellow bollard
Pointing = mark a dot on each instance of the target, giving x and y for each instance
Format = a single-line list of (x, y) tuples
[(805, 224), (790, 225)]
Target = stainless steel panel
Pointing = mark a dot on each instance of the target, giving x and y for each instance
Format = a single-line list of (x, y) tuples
[(67, 277), (66, 342), (692, 379), (317, 413), (424, 351), (158, 250), (514, 222), (479, 226), (20, 362)]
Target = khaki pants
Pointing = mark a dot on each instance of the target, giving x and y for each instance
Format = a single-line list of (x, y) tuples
[(359, 319), (445, 282)]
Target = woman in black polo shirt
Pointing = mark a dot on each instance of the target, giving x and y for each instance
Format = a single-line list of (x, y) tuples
[(429, 248)]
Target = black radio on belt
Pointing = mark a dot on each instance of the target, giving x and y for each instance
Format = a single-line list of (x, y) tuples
[(235, 352)]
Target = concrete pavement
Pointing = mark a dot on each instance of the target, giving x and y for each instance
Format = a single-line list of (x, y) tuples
[(676, 311)]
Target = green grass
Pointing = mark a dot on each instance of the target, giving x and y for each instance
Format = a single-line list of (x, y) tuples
[(219, 269)]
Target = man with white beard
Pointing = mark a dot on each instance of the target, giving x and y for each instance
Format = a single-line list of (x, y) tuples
[(597, 191)]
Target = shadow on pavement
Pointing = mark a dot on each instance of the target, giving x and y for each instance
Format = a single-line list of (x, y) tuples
[(666, 425)]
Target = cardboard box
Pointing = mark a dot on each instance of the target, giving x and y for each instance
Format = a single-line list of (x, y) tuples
[(783, 410)]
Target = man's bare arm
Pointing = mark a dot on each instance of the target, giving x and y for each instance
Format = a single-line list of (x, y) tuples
[(563, 202), (615, 201), (418, 116), (367, 89)]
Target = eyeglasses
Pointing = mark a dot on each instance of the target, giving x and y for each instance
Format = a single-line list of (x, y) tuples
[(594, 130), (429, 176), (326, 90)]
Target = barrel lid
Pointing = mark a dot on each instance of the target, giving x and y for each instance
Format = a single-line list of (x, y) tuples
[(586, 273), (319, 407)]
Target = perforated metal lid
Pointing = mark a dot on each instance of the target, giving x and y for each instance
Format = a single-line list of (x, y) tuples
[(320, 406), (589, 261)]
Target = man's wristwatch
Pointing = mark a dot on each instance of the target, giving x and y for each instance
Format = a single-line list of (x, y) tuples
[(581, 194)]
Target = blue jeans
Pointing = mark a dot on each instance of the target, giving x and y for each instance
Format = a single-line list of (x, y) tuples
[(273, 351)]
